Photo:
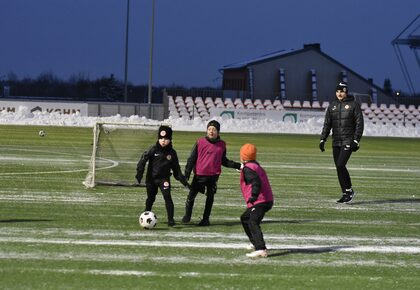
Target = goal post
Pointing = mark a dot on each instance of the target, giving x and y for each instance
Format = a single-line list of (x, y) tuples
[(116, 149)]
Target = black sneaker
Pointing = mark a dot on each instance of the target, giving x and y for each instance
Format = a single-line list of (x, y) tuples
[(204, 223), (186, 219), (171, 223), (349, 197), (343, 198)]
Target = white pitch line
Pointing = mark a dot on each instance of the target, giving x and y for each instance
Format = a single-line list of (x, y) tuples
[(217, 245), (74, 233), (388, 169)]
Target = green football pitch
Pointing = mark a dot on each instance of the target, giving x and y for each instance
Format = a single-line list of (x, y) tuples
[(57, 234)]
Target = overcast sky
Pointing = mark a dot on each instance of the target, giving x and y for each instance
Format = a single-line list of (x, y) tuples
[(195, 38)]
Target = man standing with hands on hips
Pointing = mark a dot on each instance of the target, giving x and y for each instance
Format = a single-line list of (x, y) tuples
[(344, 116)]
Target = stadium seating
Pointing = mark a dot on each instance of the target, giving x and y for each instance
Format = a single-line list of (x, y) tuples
[(189, 107)]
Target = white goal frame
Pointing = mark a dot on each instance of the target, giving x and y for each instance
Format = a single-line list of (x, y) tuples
[(90, 180)]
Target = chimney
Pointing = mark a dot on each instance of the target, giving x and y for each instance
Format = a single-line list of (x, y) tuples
[(316, 46)]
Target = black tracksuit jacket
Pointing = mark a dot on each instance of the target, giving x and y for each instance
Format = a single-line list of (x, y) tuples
[(345, 118), (161, 161)]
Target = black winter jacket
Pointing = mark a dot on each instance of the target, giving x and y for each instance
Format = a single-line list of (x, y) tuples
[(161, 161), (345, 118)]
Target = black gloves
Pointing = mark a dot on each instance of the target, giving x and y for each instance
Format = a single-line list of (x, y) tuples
[(354, 146), (184, 182), (322, 145), (252, 199), (138, 177), (187, 175)]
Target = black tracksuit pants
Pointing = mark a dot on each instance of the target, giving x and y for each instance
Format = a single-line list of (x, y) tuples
[(203, 184), (251, 220), (165, 187), (341, 157)]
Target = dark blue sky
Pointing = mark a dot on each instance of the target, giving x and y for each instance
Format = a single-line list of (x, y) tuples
[(195, 38)]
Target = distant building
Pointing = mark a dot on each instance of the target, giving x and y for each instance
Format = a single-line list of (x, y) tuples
[(306, 74)]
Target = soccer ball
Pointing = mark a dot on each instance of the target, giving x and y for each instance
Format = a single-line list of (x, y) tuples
[(41, 133), (148, 220)]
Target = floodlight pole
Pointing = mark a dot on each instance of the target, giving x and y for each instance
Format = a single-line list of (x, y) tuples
[(126, 52), (149, 96)]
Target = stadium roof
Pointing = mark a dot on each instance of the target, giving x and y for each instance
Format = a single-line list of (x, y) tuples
[(264, 57)]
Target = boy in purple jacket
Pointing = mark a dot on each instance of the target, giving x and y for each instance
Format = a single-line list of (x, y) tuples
[(256, 190), (206, 159)]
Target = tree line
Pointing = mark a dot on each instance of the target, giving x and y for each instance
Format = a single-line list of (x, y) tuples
[(77, 88)]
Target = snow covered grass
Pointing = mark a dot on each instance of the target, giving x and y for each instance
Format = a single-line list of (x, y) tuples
[(57, 234)]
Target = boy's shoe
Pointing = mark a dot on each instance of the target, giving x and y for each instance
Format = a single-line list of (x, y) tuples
[(171, 223), (349, 197), (343, 198), (250, 247), (204, 223), (258, 254), (186, 219)]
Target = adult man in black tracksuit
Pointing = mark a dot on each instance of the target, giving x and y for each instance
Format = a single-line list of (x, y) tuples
[(344, 116)]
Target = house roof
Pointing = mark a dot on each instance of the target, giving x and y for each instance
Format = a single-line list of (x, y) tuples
[(285, 53), (262, 58)]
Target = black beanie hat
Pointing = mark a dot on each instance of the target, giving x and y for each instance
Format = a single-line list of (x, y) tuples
[(215, 124), (342, 86), (165, 132)]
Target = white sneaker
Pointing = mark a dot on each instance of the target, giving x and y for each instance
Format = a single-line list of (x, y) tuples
[(258, 254), (250, 247)]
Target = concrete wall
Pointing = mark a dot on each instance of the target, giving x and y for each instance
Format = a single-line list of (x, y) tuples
[(126, 110), (157, 111)]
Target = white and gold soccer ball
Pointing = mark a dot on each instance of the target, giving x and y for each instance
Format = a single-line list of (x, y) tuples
[(148, 220)]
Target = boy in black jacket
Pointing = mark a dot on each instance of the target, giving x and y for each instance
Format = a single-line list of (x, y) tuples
[(206, 160), (162, 159)]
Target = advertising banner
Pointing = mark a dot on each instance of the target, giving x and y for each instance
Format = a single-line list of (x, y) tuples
[(293, 116), (50, 107)]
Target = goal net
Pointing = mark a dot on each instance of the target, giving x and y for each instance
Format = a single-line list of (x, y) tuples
[(116, 150)]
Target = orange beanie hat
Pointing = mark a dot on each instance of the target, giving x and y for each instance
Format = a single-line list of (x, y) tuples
[(248, 152)]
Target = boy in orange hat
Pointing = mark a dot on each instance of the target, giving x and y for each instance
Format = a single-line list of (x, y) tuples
[(256, 190)]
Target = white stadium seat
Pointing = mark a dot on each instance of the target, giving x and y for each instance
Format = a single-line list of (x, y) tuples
[(250, 106), (383, 107), (306, 105), (373, 106), (267, 103), (259, 107), (364, 106), (247, 101), (238, 101), (392, 107), (316, 105), (276, 103), (257, 102), (287, 104), (297, 104)]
